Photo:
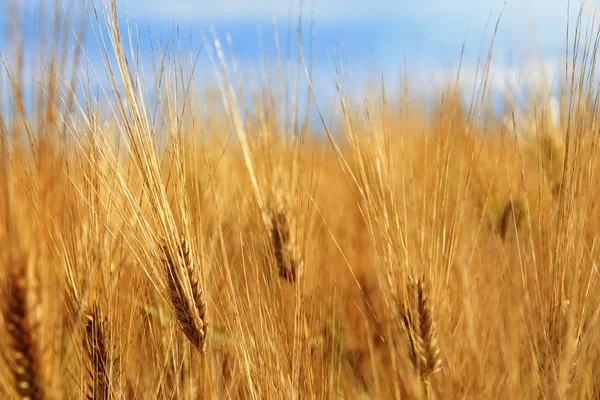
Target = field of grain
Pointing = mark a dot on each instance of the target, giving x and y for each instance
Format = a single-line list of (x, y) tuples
[(180, 245)]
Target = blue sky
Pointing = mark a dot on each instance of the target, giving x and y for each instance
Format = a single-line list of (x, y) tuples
[(376, 37), (384, 30)]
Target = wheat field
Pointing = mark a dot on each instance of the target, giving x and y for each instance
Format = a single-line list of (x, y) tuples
[(157, 242)]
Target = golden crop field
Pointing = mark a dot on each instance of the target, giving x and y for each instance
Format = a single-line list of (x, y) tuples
[(205, 245)]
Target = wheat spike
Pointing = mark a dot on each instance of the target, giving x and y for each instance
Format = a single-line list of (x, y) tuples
[(418, 321), (512, 213), (95, 345), (287, 265), (22, 334), (427, 334), (407, 317), (193, 278), (190, 312)]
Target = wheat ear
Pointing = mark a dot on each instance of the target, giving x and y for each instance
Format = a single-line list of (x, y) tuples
[(22, 327), (283, 249), (186, 295), (419, 323), (427, 335), (95, 340)]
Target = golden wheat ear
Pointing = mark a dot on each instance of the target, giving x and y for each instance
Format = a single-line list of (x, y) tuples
[(95, 341), (427, 333), (23, 351), (512, 214), (419, 323), (185, 293), (289, 263)]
